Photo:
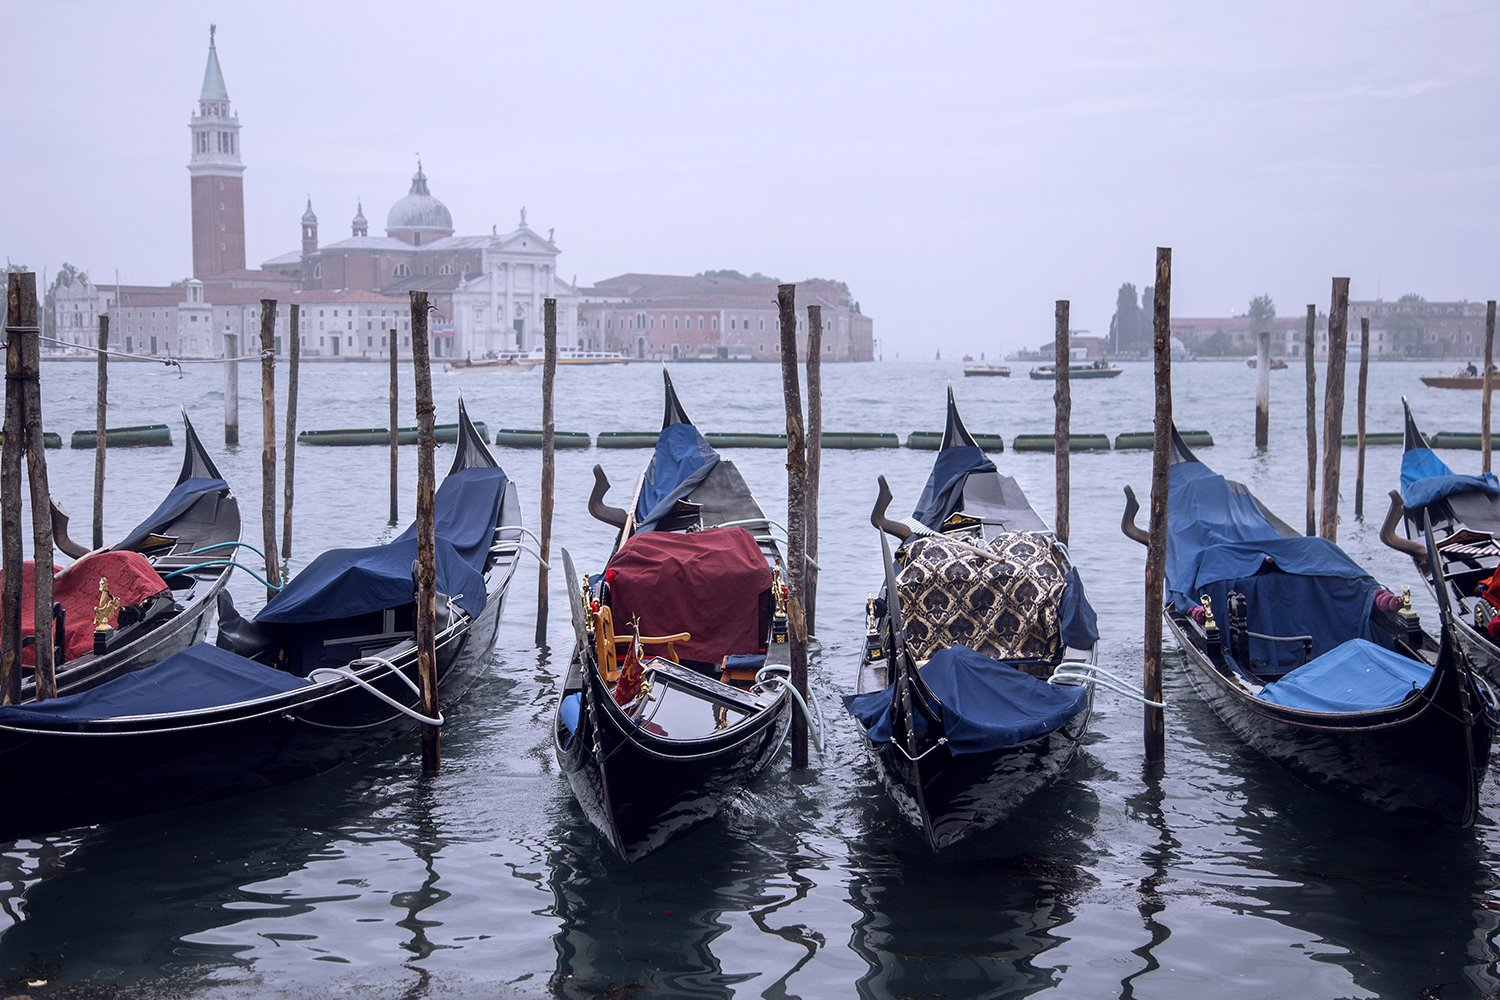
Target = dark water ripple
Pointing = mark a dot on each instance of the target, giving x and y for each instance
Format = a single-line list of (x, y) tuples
[(1219, 876)]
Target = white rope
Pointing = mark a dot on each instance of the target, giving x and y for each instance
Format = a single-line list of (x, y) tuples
[(328, 673), (169, 362), (919, 528), (774, 674), (1081, 672)]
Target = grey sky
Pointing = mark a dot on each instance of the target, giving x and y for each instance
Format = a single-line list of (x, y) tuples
[(960, 166)]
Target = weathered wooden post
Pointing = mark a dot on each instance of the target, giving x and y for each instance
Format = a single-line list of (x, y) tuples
[(231, 388), (101, 405), (1262, 390), (814, 459), (549, 449), (796, 511), (1062, 425), (293, 355), (21, 305), (395, 432), (1333, 406), (1156, 551), (1309, 354), (426, 540), (268, 443), (1359, 430), (10, 505), (1489, 382)]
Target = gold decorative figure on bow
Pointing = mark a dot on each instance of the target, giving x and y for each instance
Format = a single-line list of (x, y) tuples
[(108, 605)]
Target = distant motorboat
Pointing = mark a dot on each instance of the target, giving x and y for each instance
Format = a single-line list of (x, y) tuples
[(1077, 370), (997, 370), (574, 356), (1276, 363), (505, 364), (1469, 378)]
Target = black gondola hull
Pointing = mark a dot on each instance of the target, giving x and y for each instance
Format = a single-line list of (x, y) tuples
[(952, 797), (640, 791), (1425, 757)]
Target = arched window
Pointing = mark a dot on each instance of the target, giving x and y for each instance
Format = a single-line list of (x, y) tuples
[(402, 271), (446, 269)]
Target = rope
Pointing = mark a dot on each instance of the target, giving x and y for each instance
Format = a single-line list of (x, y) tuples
[(328, 673), (1081, 672), (169, 362), (774, 674), (918, 528), (227, 545), (221, 562)]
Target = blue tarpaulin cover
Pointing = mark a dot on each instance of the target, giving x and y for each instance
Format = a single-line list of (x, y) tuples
[(1076, 619), (683, 459), (945, 483), (183, 496), (342, 583), (1219, 539), (198, 677), (1357, 676), (987, 704), (1426, 479)]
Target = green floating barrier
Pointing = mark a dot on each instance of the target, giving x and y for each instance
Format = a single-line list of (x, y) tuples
[(512, 437), (1383, 437), (351, 437), (1076, 442), (859, 439), (932, 440), (1455, 439), (143, 436), (1145, 440), (626, 439), (50, 439), (723, 440)]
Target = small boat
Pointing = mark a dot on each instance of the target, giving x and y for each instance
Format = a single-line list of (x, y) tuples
[(326, 670), (1077, 370), (157, 584), (1469, 378), (574, 356), (1277, 364), (676, 695), (1465, 516), (1309, 660), (975, 684), (999, 371), (350, 437), (502, 364)]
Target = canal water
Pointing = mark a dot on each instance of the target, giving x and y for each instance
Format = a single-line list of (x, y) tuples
[(1223, 878)]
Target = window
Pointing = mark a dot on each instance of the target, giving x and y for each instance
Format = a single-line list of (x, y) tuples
[(402, 271), (732, 321), (762, 324), (700, 322), (448, 269), (416, 239), (715, 323)]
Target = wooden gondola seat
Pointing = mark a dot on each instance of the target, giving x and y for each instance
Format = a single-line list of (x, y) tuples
[(607, 645)]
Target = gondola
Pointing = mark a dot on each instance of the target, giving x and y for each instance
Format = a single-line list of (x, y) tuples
[(676, 694), (164, 574), (1307, 659), (325, 670), (954, 693), (1465, 515)]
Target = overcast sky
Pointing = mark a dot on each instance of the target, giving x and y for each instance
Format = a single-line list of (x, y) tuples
[(960, 166)]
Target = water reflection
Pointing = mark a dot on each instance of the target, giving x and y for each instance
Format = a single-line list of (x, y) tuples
[(975, 920)]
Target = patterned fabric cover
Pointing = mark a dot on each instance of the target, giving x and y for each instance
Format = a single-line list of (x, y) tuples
[(1006, 610)]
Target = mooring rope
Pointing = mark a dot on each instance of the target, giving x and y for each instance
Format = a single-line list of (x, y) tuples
[(169, 362), (328, 673)]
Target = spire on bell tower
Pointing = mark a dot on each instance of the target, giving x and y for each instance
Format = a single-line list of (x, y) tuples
[(215, 171), (309, 230)]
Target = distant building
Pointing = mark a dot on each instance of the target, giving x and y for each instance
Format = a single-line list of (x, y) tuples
[(673, 318), (216, 177), (1399, 329)]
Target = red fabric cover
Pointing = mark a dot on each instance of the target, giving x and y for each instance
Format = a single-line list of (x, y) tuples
[(709, 583), (131, 579)]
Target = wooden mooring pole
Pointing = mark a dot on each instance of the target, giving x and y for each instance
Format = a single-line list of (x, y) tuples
[(231, 388), (796, 512), (549, 451), (395, 433), (293, 355), (22, 329), (11, 556), (814, 460), (1309, 354), (268, 444), (1359, 427), (1156, 550), (101, 405), (426, 541), (1333, 407), (1062, 424), (1262, 390), (1489, 384)]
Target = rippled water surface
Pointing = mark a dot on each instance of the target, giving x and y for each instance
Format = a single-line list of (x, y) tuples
[(1222, 878)]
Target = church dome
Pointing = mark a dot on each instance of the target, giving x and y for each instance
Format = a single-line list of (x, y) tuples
[(419, 212)]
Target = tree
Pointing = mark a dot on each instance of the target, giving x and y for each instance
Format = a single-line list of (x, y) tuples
[(1262, 312), (1125, 325), (1216, 344), (1407, 326)]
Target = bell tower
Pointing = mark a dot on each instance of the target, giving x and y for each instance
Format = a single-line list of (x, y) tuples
[(216, 177)]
